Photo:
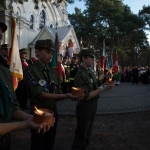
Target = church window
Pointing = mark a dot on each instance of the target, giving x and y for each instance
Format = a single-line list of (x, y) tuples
[(42, 19), (51, 26), (32, 21), (17, 19)]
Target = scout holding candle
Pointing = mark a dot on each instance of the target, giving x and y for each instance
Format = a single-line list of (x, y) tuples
[(86, 109), (44, 88), (9, 107)]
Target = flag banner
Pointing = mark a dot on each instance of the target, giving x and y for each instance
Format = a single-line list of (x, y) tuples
[(15, 65), (107, 63), (103, 56), (115, 67), (111, 62), (56, 61)]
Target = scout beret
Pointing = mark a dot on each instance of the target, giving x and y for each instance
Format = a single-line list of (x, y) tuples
[(87, 52), (23, 50), (44, 44), (4, 46), (3, 26)]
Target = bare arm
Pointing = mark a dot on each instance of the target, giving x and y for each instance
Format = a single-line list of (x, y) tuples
[(47, 96), (25, 123), (15, 126), (99, 90), (94, 93), (20, 115)]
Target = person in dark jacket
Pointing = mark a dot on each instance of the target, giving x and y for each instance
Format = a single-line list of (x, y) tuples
[(9, 108), (4, 53), (135, 72), (21, 91)]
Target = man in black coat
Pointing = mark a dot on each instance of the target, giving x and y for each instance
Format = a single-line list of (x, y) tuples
[(21, 91), (135, 72)]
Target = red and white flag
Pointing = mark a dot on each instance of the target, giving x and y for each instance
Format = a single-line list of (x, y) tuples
[(115, 67), (15, 65), (103, 56)]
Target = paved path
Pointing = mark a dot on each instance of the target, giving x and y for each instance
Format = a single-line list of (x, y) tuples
[(122, 99)]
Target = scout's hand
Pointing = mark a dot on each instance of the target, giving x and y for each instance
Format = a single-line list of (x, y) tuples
[(43, 127), (109, 86), (74, 98), (106, 86)]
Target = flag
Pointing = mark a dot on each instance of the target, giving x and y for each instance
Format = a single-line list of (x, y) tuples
[(103, 56), (56, 63), (115, 67), (111, 62), (107, 63), (15, 65)]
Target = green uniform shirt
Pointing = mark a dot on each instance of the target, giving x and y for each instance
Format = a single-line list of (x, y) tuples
[(34, 77), (6, 77), (86, 79)]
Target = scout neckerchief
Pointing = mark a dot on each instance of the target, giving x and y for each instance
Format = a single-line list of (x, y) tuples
[(49, 87), (91, 79), (4, 99)]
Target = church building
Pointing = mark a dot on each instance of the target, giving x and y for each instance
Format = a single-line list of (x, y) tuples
[(40, 19)]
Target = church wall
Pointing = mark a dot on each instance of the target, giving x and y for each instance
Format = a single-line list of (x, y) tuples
[(54, 14)]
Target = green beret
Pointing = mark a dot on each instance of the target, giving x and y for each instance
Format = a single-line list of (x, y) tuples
[(5, 46), (44, 44), (23, 50), (87, 52), (3, 26)]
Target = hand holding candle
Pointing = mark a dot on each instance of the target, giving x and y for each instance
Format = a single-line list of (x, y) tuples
[(43, 115), (77, 91), (110, 81)]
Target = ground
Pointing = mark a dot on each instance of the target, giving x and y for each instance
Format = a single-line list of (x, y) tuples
[(128, 131)]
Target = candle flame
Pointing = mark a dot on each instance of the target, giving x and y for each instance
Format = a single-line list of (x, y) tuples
[(39, 111), (75, 88), (110, 79)]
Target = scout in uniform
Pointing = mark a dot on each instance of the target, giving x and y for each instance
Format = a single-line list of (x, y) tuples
[(9, 108), (86, 109), (44, 90), (4, 53), (21, 91)]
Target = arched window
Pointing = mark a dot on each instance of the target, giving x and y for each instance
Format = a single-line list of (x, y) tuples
[(32, 21), (42, 19), (51, 26), (17, 19)]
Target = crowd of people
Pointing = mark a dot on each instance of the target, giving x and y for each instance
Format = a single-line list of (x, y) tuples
[(136, 75), (43, 87)]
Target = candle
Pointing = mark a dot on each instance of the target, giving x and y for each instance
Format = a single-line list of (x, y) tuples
[(43, 115), (77, 91)]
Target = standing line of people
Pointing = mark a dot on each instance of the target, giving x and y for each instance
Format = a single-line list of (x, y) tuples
[(9, 107), (42, 86)]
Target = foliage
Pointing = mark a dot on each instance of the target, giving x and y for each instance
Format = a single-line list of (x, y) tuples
[(113, 21)]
